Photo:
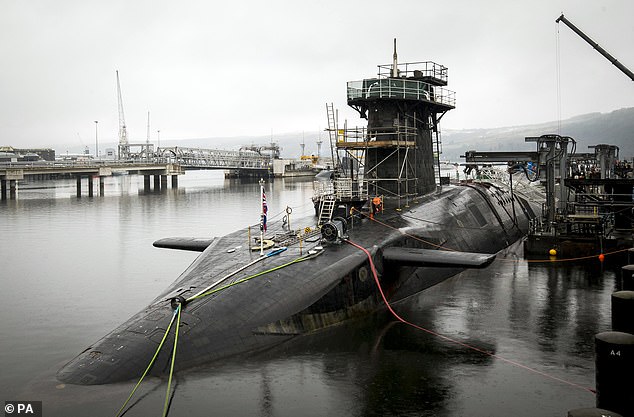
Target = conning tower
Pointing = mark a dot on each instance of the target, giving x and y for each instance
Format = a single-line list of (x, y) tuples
[(403, 107)]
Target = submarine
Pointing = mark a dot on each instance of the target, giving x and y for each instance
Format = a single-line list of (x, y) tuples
[(383, 230)]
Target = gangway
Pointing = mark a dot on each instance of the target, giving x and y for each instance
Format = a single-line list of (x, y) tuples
[(197, 158)]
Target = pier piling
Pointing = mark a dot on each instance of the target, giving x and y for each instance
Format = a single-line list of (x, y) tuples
[(630, 256), (13, 189), (146, 183), (101, 185), (79, 186), (623, 311), (627, 277), (614, 356)]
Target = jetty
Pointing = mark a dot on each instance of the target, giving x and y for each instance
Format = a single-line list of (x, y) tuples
[(589, 200), (159, 164)]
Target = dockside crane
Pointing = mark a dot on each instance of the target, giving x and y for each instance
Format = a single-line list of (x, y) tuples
[(596, 46), (124, 146)]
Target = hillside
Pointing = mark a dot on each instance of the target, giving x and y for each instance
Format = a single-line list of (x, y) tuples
[(614, 128)]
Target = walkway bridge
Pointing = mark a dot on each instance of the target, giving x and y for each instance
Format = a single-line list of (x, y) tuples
[(196, 158), (172, 161)]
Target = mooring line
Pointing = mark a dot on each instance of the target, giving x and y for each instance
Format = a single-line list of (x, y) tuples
[(176, 316), (580, 258), (242, 268), (169, 381), (150, 364), (449, 339), (294, 261)]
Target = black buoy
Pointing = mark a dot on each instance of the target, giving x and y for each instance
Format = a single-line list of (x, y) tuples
[(623, 311), (614, 355), (592, 412), (627, 277)]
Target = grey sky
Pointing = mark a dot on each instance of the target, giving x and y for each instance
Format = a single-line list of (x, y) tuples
[(211, 68)]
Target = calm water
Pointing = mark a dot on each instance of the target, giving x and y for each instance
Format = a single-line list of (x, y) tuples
[(73, 269)]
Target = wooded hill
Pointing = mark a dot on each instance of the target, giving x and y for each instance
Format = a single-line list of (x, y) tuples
[(614, 128)]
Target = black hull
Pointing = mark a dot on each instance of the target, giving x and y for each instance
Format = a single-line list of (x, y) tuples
[(306, 296)]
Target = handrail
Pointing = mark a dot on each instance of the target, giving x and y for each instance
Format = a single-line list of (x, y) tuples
[(396, 88), (424, 68), (341, 189)]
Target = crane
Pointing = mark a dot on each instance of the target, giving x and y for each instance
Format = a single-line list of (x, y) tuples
[(596, 46), (124, 147)]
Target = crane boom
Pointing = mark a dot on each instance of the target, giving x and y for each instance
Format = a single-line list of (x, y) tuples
[(596, 46), (124, 148)]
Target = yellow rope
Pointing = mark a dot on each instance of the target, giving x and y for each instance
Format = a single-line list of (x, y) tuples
[(297, 260), (177, 316), (150, 364), (169, 381)]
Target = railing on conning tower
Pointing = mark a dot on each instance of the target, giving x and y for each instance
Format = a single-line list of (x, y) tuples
[(426, 70), (397, 88), (420, 81)]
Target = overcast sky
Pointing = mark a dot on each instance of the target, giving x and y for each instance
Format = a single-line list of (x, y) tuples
[(219, 68)]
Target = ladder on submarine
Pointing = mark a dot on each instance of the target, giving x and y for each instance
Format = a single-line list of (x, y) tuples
[(327, 207), (437, 151)]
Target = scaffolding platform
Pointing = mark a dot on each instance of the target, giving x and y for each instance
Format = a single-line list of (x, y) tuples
[(376, 144)]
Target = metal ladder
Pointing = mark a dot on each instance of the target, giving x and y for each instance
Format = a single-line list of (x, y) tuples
[(327, 208), (332, 131), (437, 151)]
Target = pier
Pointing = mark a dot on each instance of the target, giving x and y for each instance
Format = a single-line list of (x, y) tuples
[(589, 202), (161, 164), (10, 174)]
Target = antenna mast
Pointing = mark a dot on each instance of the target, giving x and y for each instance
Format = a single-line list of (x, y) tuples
[(124, 147), (147, 141), (394, 62)]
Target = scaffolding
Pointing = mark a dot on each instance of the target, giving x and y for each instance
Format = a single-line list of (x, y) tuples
[(393, 143), (355, 179)]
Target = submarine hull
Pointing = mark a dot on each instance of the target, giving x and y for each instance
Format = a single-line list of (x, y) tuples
[(275, 298)]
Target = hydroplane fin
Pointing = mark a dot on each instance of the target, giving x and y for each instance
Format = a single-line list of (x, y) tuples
[(433, 257), (184, 243)]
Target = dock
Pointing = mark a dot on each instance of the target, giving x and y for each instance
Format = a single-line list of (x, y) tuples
[(160, 164), (10, 174), (589, 207)]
